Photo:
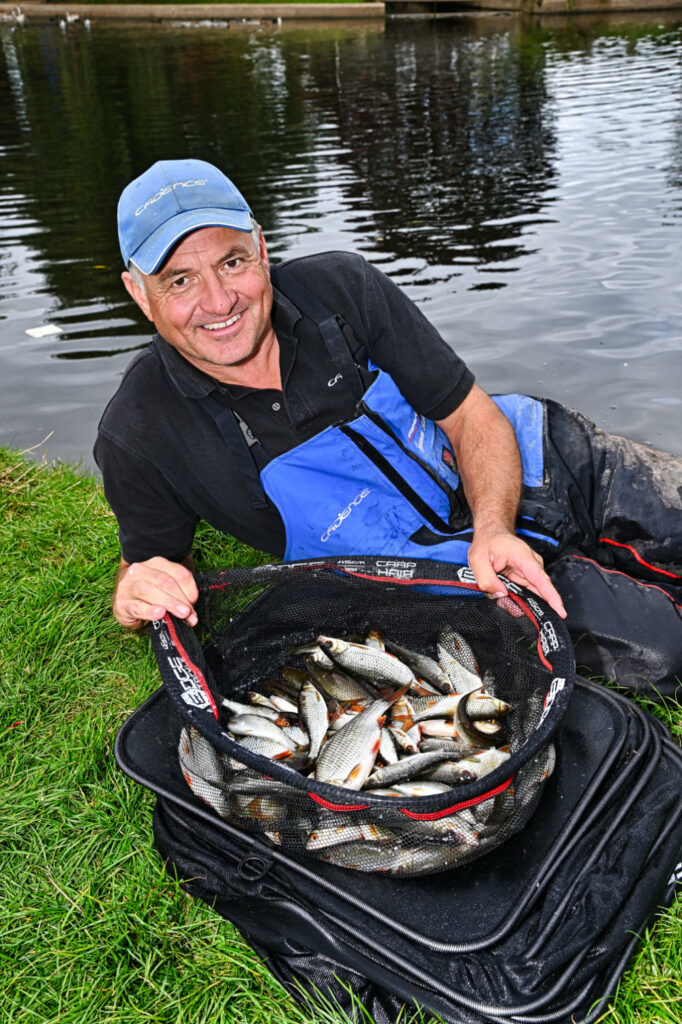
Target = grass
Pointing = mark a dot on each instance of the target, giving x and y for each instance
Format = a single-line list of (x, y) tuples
[(92, 929)]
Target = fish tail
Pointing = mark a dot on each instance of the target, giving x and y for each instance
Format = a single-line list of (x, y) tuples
[(393, 695)]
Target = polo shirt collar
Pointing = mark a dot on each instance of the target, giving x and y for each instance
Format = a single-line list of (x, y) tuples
[(194, 383)]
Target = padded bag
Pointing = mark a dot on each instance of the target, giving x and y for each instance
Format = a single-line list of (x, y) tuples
[(538, 930)]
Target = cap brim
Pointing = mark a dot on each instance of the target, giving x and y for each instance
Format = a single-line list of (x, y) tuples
[(154, 251)]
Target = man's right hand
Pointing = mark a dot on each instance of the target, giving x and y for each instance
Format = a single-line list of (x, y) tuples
[(147, 590)]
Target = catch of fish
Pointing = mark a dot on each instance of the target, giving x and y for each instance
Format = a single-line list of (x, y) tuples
[(366, 714)]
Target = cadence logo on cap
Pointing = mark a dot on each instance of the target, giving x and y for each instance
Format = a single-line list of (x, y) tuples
[(164, 192)]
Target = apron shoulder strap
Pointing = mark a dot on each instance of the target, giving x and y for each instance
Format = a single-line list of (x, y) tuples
[(327, 322), (246, 449)]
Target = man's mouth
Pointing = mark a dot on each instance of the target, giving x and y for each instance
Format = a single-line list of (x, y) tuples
[(221, 324)]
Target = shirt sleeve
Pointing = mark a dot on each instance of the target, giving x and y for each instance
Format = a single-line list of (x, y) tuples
[(401, 341), (152, 521)]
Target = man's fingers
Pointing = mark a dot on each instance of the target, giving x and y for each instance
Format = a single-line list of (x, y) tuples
[(544, 588), (486, 577), (147, 590), (172, 577), (534, 577), (508, 554)]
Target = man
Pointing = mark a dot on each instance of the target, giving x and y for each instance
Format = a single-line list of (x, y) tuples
[(322, 416)]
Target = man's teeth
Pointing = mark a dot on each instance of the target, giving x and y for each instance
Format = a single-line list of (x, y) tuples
[(223, 323)]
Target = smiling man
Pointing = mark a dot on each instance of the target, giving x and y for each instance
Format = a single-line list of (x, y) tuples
[(311, 410)]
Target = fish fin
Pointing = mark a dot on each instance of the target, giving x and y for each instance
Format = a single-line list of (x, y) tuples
[(355, 773)]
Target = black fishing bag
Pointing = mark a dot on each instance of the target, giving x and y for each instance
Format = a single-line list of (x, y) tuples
[(536, 927)]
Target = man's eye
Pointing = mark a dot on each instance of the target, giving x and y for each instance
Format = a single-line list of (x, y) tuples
[(233, 263), (180, 282)]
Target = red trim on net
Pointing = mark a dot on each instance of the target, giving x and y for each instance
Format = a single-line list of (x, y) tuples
[(638, 557), (196, 671), (528, 611), (337, 807), (461, 806), (619, 572), (367, 576)]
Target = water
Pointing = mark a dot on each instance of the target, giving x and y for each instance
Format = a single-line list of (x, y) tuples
[(521, 179)]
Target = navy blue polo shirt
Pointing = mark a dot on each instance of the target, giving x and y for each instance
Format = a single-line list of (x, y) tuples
[(165, 464)]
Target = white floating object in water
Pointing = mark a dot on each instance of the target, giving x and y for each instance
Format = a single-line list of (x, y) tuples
[(43, 331)]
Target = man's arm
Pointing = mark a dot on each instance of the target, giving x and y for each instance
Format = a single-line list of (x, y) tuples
[(490, 467), (147, 590)]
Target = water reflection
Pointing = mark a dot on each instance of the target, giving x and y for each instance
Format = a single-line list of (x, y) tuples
[(519, 178)]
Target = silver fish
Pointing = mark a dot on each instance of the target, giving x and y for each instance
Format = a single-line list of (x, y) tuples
[(404, 769), (404, 740), (481, 705), (461, 828), (316, 654), (269, 712), (451, 748), (297, 735), (474, 765), (313, 711), (256, 725), (284, 704), (264, 808), (347, 758), (425, 787), (195, 760), (201, 756), (367, 662), (340, 686), (339, 720), (331, 834), (424, 667), (387, 747), (267, 747), (364, 856), (457, 660), (446, 707)]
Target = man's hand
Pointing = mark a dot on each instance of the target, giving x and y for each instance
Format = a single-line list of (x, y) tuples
[(506, 553), (147, 590)]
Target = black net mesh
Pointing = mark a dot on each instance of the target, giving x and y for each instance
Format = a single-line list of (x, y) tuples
[(250, 621)]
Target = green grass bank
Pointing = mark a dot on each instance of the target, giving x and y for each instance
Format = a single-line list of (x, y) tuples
[(92, 929)]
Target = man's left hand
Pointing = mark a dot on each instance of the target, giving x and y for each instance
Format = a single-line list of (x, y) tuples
[(504, 552)]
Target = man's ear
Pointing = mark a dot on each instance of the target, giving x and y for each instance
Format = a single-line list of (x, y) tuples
[(136, 293), (262, 250)]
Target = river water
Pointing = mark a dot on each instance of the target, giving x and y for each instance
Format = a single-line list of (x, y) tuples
[(520, 178)]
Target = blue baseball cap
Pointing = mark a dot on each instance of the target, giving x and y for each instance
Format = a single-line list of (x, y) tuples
[(168, 201)]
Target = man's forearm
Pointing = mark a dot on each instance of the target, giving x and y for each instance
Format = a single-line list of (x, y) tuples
[(491, 470), (489, 462)]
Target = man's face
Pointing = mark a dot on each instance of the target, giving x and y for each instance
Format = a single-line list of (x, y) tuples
[(211, 299)]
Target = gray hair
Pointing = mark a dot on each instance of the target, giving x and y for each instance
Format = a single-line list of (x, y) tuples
[(139, 278)]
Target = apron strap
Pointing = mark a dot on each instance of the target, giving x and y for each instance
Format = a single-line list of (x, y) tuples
[(459, 510), (247, 450), (328, 324)]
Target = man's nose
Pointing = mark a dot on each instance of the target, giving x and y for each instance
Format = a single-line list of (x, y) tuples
[(217, 295)]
